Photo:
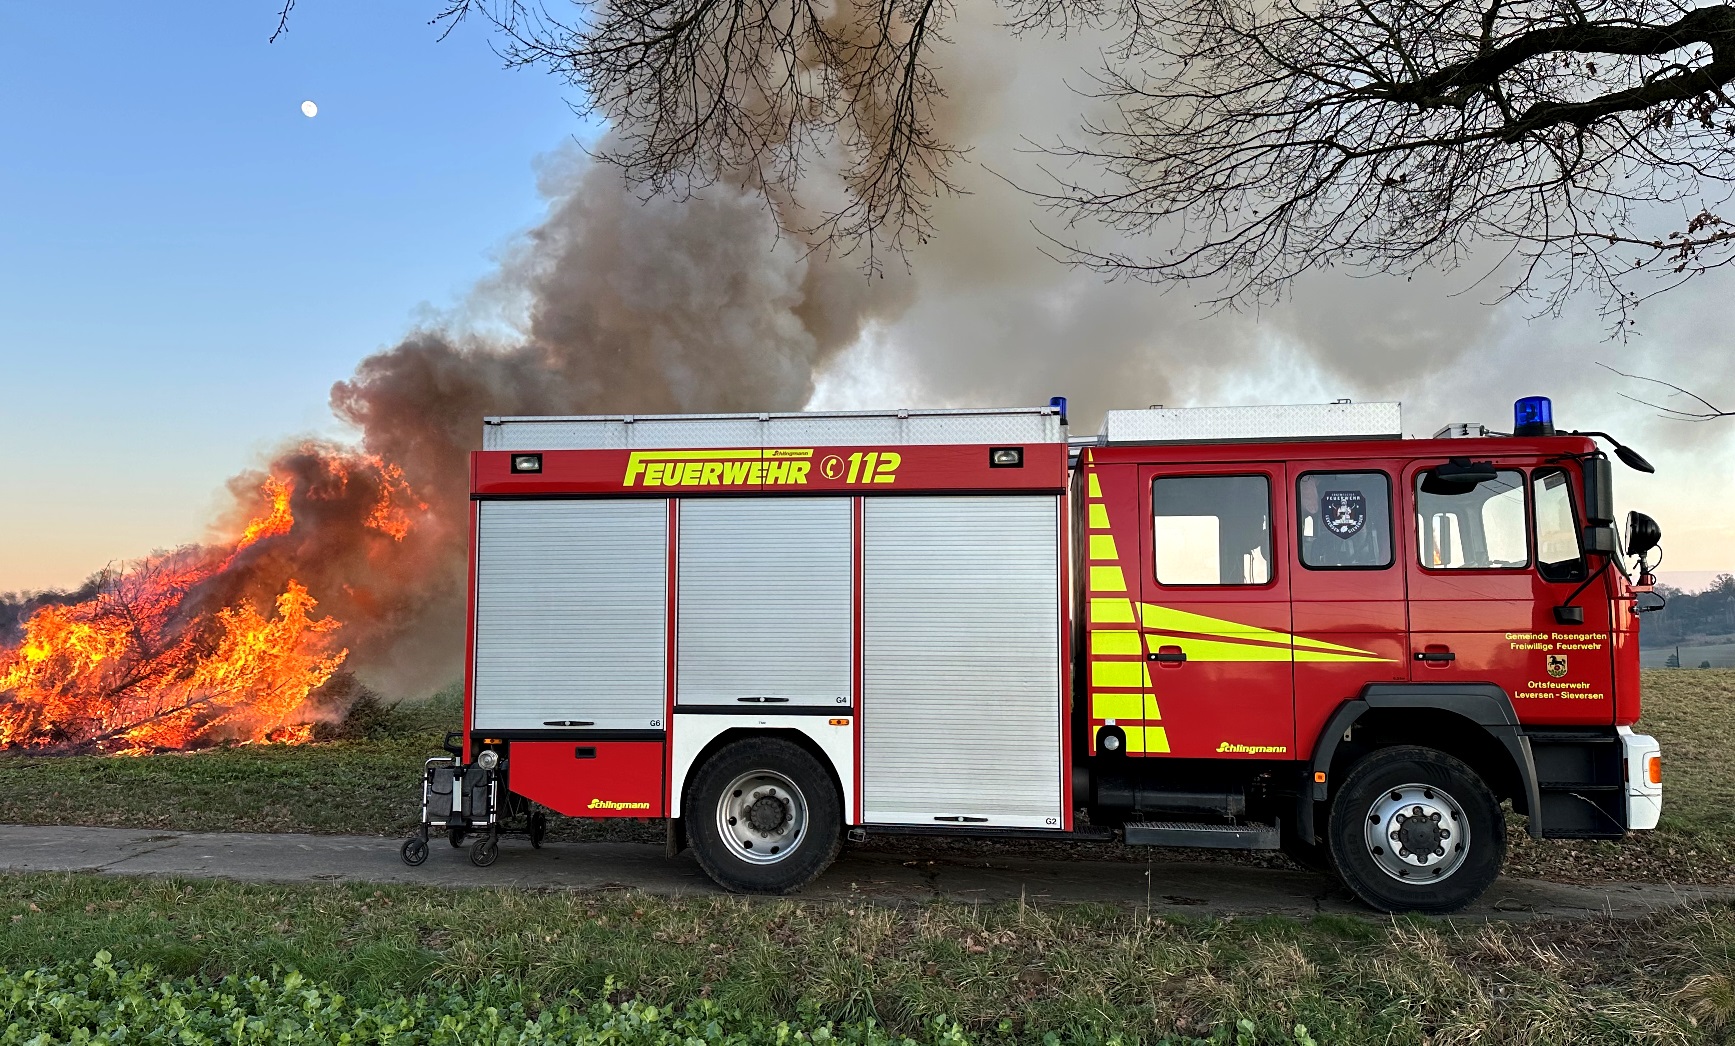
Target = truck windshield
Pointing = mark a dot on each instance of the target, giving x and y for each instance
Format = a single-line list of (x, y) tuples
[(1478, 528)]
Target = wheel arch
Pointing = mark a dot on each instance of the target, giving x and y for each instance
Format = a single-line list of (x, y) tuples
[(709, 738), (1472, 722)]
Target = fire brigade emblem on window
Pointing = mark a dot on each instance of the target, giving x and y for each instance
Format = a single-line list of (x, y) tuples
[(1345, 512)]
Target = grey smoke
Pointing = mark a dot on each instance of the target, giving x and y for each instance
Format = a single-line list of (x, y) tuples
[(623, 305)]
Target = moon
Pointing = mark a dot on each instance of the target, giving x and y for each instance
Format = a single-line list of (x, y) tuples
[(309, 110)]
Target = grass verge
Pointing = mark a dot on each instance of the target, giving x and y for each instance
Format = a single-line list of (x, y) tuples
[(1001, 973), (369, 786)]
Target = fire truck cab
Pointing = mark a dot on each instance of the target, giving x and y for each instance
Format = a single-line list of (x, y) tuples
[(1254, 628)]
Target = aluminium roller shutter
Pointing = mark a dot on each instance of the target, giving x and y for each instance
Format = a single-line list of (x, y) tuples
[(764, 594), (571, 614), (961, 699)]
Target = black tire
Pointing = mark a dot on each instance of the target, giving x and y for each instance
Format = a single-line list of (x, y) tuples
[(1397, 798), (538, 829), (485, 852), (455, 836), (414, 851), (803, 831)]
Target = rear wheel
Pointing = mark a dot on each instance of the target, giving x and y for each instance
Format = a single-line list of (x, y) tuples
[(763, 816), (1415, 830)]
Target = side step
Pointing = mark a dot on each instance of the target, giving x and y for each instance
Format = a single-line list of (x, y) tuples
[(1207, 836)]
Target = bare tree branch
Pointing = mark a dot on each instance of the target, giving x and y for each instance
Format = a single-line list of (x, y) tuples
[(282, 20), (755, 93), (1259, 140), (1710, 412), (1249, 142)]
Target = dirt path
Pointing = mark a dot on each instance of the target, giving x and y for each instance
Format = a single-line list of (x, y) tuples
[(1167, 886)]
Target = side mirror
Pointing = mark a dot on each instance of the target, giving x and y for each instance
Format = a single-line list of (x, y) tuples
[(1633, 459), (1643, 534), (1599, 492), (1458, 476)]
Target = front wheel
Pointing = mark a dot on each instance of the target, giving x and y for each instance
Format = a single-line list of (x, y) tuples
[(1415, 830), (763, 816)]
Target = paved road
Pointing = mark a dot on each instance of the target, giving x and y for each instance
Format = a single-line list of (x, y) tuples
[(1165, 885)]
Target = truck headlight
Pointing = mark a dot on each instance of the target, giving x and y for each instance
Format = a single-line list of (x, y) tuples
[(488, 759)]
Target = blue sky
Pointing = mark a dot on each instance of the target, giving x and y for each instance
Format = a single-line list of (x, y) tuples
[(187, 262)]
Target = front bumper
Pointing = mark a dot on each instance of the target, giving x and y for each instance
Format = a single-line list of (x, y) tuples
[(1643, 758)]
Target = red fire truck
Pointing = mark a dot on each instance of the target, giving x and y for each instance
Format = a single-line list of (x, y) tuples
[(1253, 628)]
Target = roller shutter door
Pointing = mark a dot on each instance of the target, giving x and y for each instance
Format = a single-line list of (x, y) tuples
[(571, 614), (765, 602), (961, 699)]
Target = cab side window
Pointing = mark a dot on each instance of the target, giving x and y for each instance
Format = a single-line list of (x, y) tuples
[(1479, 527), (1212, 530), (1558, 556), (1344, 520)]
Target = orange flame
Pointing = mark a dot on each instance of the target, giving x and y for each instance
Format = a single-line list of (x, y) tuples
[(276, 521), (142, 666)]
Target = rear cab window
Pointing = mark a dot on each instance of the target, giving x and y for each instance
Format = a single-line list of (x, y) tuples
[(1344, 520), (1212, 530)]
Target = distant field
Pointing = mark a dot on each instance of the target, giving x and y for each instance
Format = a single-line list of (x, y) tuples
[(1720, 652), (370, 786)]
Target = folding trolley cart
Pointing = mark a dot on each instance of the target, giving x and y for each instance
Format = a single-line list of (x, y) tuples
[(465, 799)]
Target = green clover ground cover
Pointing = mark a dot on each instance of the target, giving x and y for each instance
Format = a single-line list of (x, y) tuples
[(1001, 974)]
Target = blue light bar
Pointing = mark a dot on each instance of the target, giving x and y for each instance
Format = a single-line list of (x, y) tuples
[(1533, 416), (1059, 405)]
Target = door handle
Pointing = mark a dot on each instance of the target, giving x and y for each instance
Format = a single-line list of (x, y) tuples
[(1435, 655), (1169, 656)]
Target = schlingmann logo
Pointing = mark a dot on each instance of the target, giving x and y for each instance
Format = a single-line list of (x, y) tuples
[(1251, 749), (773, 466), (610, 804)]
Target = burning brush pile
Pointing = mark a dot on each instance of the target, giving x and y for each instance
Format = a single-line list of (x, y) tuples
[(210, 643), (345, 559)]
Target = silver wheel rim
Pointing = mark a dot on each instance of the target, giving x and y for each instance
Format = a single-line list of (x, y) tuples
[(1417, 833), (761, 817)]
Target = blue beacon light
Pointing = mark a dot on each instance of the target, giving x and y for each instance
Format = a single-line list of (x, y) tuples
[(1533, 416)]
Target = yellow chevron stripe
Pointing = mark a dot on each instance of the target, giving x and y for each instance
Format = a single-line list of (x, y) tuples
[(1107, 579), (1322, 655), (1220, 651), (1156, 740), (1102, 547), (1168, 619), (1106, 611), (1128, 675), (1117, 706), (1098, 517), (1095, 487), (1115, 641)]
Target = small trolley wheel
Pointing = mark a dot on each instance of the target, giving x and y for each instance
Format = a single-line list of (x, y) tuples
[(455, 836), (485, 851), (414, 851), (538, 828)]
